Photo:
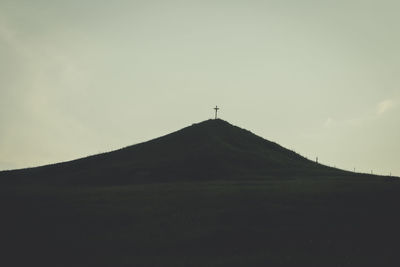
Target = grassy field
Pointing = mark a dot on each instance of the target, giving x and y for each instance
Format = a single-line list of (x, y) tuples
[(299, 222), (211, 194)]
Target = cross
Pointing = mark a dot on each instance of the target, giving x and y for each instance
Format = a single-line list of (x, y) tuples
[(216, 111)]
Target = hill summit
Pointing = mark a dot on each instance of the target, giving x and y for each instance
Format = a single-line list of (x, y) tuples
[(210, 150)]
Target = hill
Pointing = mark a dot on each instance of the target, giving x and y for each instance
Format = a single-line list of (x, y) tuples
[(211, 194), (210, 150)]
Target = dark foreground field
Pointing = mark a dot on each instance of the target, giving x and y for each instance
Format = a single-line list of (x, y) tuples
[(298, 222)]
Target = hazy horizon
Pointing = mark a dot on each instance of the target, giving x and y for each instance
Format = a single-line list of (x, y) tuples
[(319, 77)]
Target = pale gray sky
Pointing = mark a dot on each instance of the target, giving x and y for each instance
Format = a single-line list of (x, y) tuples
[(82, 77)]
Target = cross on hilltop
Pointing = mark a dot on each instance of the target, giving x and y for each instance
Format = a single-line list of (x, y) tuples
[(216, 111)]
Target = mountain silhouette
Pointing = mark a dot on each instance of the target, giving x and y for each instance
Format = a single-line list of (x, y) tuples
[(210, 150), (211, 194)]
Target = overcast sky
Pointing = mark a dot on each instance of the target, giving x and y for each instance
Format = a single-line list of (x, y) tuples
[(82, 77)]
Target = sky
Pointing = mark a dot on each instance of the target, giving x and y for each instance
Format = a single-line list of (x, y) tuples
[(83, 77)]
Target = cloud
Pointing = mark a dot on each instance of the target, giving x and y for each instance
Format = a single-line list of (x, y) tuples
[(329, 123), (385, 106)]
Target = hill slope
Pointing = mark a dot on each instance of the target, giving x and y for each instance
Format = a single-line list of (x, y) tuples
[(236, 200), (210, 150)]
